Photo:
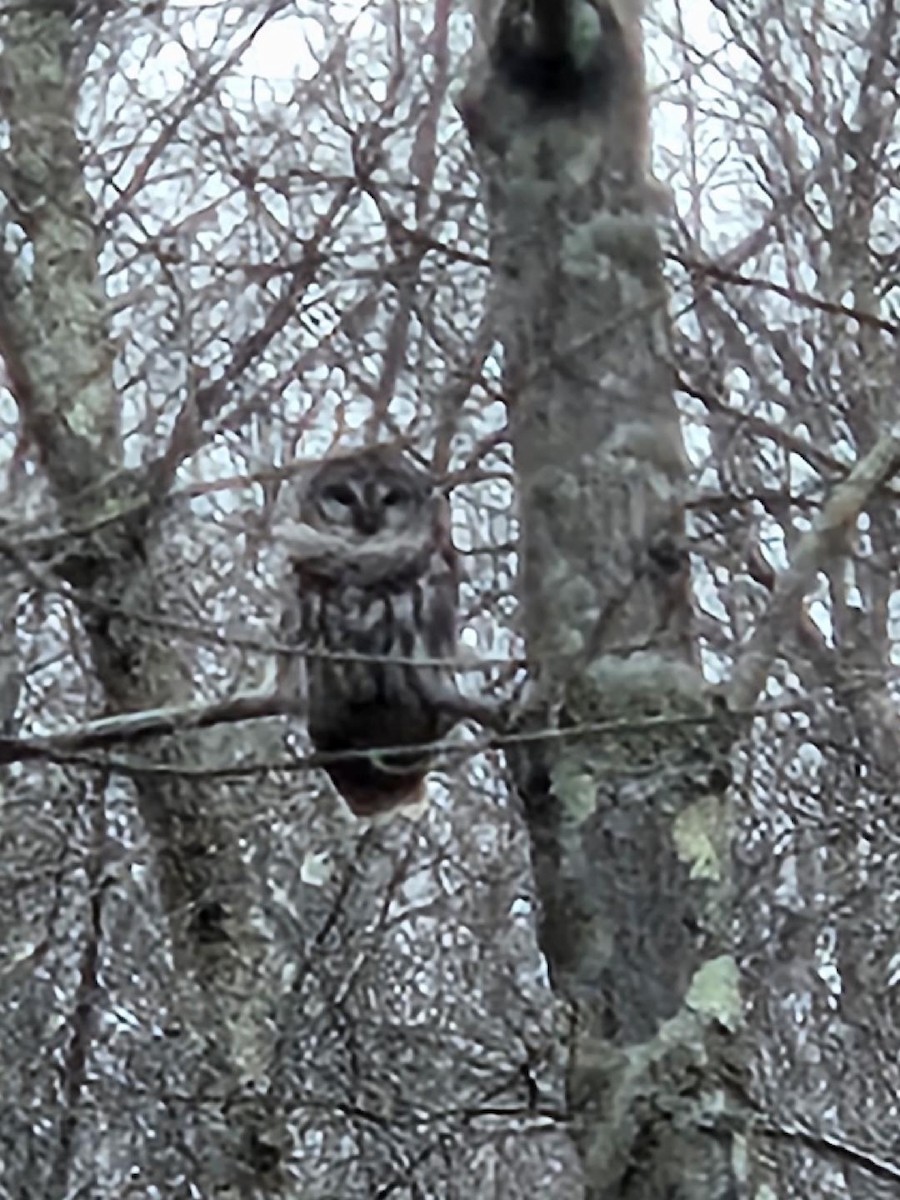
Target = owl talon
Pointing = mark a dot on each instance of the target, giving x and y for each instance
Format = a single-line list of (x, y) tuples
[(488, 713)]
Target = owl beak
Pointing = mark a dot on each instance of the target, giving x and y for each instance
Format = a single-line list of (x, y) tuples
[(369, 523)]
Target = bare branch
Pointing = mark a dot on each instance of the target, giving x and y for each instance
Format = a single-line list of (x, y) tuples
[(837, 1148), (826, 539)]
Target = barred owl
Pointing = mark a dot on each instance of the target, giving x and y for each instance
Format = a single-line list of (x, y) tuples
[(377, 577)]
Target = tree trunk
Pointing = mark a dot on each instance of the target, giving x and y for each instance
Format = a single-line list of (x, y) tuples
[(624, 780), (56, 344)]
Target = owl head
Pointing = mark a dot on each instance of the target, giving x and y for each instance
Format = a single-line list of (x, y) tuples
[(369, 493)]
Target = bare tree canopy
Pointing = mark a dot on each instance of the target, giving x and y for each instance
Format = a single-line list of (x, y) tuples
[(619, 280)]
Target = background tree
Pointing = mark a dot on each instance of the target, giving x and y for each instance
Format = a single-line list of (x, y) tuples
[(234, 239), (785, 363), (625, 801)]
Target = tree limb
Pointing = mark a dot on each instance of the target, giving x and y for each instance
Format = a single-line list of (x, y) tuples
[(826, 539)]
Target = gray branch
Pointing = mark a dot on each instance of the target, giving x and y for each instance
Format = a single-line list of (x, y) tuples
[(824, 541)]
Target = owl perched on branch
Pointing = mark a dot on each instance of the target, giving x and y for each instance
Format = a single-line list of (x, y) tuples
[(377, 576)]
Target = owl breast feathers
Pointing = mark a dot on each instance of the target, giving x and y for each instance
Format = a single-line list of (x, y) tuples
[(378, 583)]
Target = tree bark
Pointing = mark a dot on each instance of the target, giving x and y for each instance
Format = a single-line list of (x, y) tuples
[(54, 339), (630, 830)]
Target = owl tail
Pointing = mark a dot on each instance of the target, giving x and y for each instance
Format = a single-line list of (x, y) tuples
[(370, 789)]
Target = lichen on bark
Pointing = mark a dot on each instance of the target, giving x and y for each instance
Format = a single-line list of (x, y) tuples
[(55, 344), (625, 797)]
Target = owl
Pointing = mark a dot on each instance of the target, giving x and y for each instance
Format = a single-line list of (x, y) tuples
[(377, 578)]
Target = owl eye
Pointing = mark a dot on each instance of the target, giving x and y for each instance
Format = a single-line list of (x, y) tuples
[(393, 497), (341, 494)]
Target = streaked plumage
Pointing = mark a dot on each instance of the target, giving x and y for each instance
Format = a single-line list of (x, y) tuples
[(379, 580)]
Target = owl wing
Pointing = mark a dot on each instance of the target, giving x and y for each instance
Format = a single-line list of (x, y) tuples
[(290, 674), (442, 588)]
